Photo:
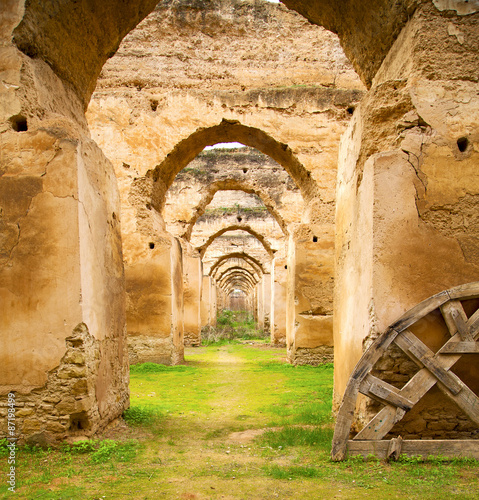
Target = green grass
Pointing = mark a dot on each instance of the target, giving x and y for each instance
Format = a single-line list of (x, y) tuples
[(232, 327), (298, 436), (177, 441)]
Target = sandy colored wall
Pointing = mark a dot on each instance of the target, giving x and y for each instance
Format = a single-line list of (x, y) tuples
[(205, 306), (279, 330), (154, 288), (62, 309), (192, 284), (407, 188), (137, 117)]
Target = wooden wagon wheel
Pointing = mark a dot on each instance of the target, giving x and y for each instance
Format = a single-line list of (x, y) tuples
[(434, 369)]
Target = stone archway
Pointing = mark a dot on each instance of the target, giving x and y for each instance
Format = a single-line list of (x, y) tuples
[(229, 131), (49, 84), (230, 186), (242, 227)]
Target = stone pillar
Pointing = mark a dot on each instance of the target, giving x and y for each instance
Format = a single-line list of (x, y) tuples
[(193, 279), (214, 303), (408, 190), (62, 302), (272, 301), (267, 296), (278, 298), (254, 299), (290, 300), (278, 333), (154, 285), (205, 305), (260, 303), (310, 271)]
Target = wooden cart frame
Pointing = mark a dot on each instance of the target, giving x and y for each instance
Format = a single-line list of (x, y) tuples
[(434, 369)]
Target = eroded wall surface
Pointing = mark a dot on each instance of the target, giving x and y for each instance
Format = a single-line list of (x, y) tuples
[(406, 177), (62, 309), (192, 292)]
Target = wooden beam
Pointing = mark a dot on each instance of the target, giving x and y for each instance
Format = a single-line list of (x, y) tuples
[(384, 392), (348, 405), (395, 448), (463, 448), (460, 348)]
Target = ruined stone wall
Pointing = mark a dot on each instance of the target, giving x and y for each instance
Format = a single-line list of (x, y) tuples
[(62, 310), (405, 175)]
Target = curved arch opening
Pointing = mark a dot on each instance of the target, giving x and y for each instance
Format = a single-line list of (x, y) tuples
[(234, 185), (186, 150), (245, 228), (255, 264)]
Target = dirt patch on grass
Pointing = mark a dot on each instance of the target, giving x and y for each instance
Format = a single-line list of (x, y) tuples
[(246, 436)]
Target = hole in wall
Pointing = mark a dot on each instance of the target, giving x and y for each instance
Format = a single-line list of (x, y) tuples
[(286, 267), (154, 104), (79, 421), (462, 144), (245, 170), (151, 245), (350, 110), (239, 219), (315, 239), (19, 123)]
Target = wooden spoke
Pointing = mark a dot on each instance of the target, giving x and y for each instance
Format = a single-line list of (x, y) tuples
[(381, 424), (384, 392), (411, 345), (460, 348), (456, 319)]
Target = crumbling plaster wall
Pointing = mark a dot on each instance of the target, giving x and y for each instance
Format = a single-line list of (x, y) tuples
[(62, 309), (192, 295), (407, 178)]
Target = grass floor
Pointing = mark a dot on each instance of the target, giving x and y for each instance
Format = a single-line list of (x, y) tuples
[(236, 422)]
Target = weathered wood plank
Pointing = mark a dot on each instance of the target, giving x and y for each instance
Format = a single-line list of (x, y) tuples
[(461, 325), (464, 292), (465, 448), (419, 311), (381, 424), (348, 405), (394, 449), (384, 392), (473, 324), (450, 380), (466, 400), (458, 391), (456, 319), (460, 348), (414, 390)]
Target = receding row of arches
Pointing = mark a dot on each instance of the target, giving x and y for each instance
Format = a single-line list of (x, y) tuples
[(87, 248)]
